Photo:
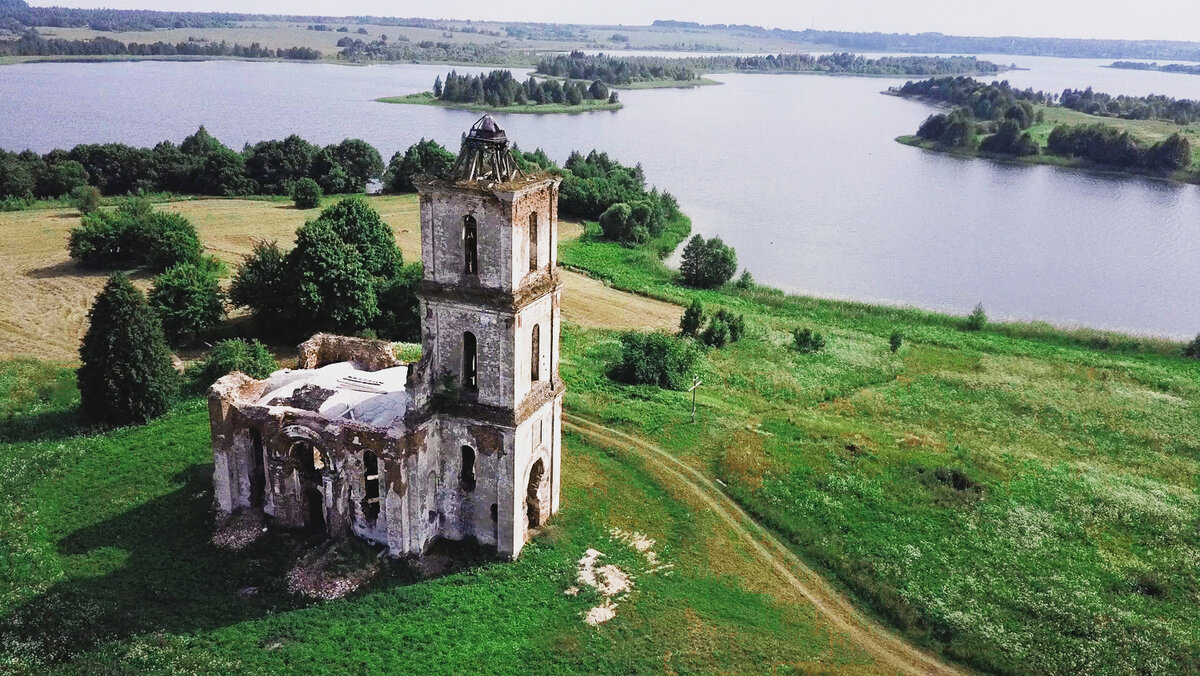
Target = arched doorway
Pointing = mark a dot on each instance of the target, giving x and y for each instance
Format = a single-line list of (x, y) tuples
[(309, 461), (535, 495)]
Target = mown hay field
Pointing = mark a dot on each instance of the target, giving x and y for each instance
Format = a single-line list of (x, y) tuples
[(43, 311)]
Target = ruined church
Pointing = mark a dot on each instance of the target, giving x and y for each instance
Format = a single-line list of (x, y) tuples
[(464, 443)]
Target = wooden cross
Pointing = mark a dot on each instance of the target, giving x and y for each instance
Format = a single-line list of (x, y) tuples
[(696, 383)]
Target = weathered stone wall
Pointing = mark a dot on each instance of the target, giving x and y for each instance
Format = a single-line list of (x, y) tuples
[(443, 332), (540, 199), (327, 348)]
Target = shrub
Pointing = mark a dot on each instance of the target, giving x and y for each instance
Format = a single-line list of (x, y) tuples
[(692, 320), (1192, 349), (745, 282), (657, 359), (125, 375), (261, 284), (134, 235), (736, 324), (167, 239), (236, 354), (306, 193), (976, 320), (619, 225), (85, 198), (808, 341), (896, 340), (707, 264), (189, 302), (716, 334)]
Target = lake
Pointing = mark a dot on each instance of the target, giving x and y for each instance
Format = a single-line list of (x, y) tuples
[(799, 172)]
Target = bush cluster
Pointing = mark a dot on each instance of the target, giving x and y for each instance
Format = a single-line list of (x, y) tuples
[(658, 359), (808, 341), (1107, 145), (1192, 349), (594, 183), (236, 354), (707, 264), (722, 328), (423, 158), (342, 264), (199, 165), (134, 235)]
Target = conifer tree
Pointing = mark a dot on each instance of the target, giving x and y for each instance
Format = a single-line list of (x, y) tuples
[(126, 376)]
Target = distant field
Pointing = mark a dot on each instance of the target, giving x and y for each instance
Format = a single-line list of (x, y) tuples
[(43, 311)]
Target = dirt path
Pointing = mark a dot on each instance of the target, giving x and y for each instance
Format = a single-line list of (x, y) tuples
[(890, 650)]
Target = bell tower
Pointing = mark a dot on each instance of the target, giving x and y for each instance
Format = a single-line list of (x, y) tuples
[(490, 331)]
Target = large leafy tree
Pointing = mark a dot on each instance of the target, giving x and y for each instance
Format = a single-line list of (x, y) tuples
[(125, 374), (357, 224), (332, 288), (425, 157), (262, 284)]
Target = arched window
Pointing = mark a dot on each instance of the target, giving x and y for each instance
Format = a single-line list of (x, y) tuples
[(371, 485), (535, 354), (466, 479), (533, 242), (470, 246), (470, 380)]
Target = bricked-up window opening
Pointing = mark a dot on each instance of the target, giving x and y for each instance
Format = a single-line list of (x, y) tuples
[(470, 245), (535, 354), (470, 378), (371, 485), (533, 242), (258, 475), (466, 479)]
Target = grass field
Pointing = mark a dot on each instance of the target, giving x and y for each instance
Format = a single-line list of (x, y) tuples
[(427, 99), (43, 311), (1015, 497), (108, 568)]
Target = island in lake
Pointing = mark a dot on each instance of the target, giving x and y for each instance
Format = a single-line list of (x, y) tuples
[(499, 91), (1145, 135)]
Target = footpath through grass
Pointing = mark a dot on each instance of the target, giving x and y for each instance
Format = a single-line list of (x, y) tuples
[(106, 566), (1023, 499)]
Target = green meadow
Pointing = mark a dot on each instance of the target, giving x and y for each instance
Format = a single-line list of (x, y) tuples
[(1021, 498)]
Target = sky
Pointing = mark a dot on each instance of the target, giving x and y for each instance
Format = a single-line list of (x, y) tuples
[(1147, 19)]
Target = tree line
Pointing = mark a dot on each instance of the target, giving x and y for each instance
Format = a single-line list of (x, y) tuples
[(402, 49), (848, 64), (500, 89), (984, 100), (31, 43), (615, 70), (199, 165), (1165, 68)]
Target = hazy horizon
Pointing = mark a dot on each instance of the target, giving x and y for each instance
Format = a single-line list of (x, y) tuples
[(1154, 19)]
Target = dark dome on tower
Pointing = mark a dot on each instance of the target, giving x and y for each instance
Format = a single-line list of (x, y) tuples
[(485, 155)]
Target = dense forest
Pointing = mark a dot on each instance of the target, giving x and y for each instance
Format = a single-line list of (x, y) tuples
[(500, 89), (401, 49), (849, 64), (199, 165), (623, 70), (32, 44), (1165, 68), (615, 70), (985, 99)]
